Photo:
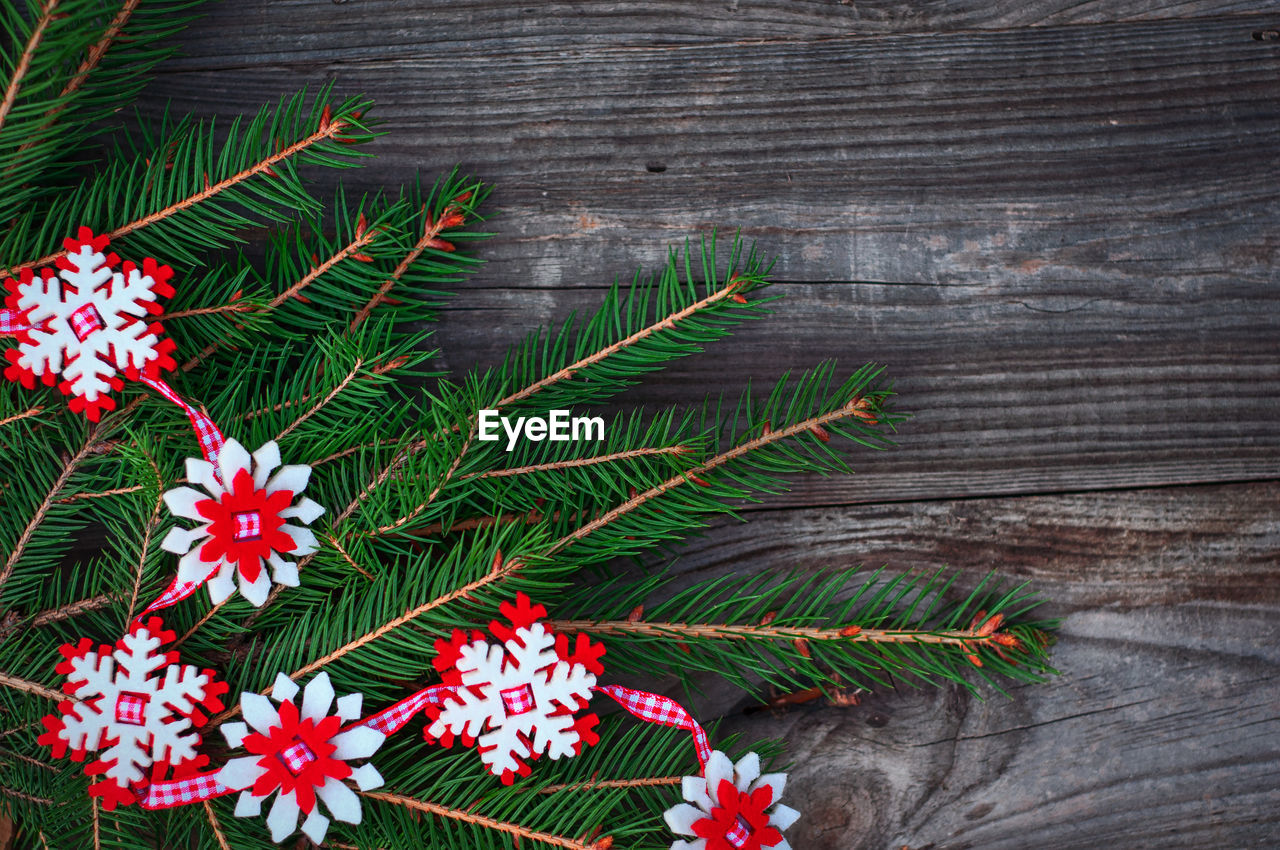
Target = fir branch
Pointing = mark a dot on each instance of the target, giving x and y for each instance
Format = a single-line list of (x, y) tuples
[(232, 307), (984, 632), (598, 784), (28, 687), (329, 129), (318, 406), (96, 52), (584, 461), (859, 407), (454, 215), (118, 491), (61, 481), (26, 414), (147, 531), (24, 62), (667, 323), (30, 798), (217, 830), (515, 830), (401, 521), (346, 556), (66, 612), (97, 827)]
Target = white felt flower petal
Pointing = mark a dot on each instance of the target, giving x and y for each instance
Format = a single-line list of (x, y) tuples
[(191, 567), (232, 458), (783, 816), (182, 501), (781, 845), (304, 542), (777, 782), (259, 712), (240, 773), (359, 742), (234, 733), (315, 826), (719, 769), (695, 791), (293, 478), (307, 510), (367, 777), (248, 806), (340, 800), (200, 471), (746, 771), (283, 688), (349, 706), (317, 697), (256, 591), (222, 585), (283, 817), (696, 844), (265, 459), (282, 571), (680, 819), (179, 540)]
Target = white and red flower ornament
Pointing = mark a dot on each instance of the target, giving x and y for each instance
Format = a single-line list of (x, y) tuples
[(87, 323), (301, 753), (517, 698), (732, 807), (136, 708), (242, 522)]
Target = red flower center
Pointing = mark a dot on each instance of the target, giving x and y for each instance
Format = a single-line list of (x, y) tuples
[(130, 708), (245, 525), (86, 320), (297, 756), (517, 700), (739, 822)]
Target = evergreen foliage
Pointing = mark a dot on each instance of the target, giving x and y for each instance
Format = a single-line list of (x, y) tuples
[(324, 344)]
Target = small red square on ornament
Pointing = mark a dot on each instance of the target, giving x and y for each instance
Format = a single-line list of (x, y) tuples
[(517, 700), (297, 756), (86, 320), (130, 708), (738, 835), (248, 526)]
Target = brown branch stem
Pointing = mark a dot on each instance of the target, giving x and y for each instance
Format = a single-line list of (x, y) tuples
[(318, 406), (851, 634), (858, 405), (58, 484), (596, 784), (519, 832), (24, 62), (26, 414), (265, 166), (29, 687), (582, 461)]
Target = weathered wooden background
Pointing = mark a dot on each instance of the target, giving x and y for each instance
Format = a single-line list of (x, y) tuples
[(1057, 222)]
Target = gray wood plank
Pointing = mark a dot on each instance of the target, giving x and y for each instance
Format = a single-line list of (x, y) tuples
[(321, 31), (1161, 731), (1076, 241)]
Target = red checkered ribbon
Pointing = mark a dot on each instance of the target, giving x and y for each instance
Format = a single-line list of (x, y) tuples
[(182, 792), (207, 433), (10, 323), (393, 719), (654, 708)]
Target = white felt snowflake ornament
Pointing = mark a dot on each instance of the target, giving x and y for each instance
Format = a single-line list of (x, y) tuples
[(242, 522), (732, 807), (88, 323), (517, 698), (135, 707), (300, 753)]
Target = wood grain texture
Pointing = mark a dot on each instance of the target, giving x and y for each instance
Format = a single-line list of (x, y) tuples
[(1057, 223)]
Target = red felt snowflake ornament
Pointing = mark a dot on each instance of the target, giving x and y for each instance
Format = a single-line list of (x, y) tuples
[(517, 698), (87, 324), (134, 706)]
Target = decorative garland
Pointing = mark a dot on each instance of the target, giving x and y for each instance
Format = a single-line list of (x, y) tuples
[(516, 693)]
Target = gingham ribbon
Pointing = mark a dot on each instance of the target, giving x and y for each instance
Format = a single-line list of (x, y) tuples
[(207, 433), (175, 593), (9, 323), (655, 708), (182, 792), (393, 719)]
